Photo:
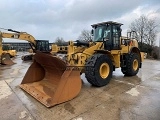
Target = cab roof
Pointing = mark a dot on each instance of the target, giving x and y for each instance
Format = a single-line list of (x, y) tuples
[(105, 23)]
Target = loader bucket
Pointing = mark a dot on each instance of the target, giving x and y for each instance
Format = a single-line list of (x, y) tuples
[(6, 60), (50, 81)]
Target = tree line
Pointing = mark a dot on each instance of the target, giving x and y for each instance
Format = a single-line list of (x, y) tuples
[(146, 34), (146, 30)]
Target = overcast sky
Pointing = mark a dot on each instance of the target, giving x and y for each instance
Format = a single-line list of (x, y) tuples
[(49, 19)]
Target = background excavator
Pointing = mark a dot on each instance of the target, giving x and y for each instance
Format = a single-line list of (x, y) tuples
[(57, 81), (36, 45)]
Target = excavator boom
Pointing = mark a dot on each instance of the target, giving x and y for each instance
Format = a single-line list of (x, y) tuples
[(36, 45)]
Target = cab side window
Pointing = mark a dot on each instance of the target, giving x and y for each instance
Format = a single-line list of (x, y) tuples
[(116, 37)]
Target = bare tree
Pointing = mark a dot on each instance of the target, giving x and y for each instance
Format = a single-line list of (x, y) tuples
[(59, 41), (146, 30), (85, 35)]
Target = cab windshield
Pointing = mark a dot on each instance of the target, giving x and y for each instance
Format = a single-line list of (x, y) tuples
[(101, 32)]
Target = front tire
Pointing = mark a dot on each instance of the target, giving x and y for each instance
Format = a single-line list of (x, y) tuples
[(98, 70)]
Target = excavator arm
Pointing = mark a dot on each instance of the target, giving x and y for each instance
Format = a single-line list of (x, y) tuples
[(19, 35), (36, 45)]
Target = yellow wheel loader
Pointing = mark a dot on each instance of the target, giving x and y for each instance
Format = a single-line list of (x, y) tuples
[(63, 49), (36, 45), (52, 81), (59, 48), (7, 49)]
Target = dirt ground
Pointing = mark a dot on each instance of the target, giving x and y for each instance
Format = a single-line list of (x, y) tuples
[(124, 98)]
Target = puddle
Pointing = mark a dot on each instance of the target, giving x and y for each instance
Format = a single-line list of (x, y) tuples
[(133, 92)]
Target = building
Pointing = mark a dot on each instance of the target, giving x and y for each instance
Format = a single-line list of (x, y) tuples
[(19, 46)]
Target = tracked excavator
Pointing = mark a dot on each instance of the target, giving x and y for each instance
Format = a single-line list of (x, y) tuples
[(52, 81), (36, 45)]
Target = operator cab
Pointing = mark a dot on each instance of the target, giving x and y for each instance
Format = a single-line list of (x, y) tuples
[(41, 45), (109, 33)]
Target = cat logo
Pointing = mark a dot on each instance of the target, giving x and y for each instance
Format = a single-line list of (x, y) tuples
[(16, 36)]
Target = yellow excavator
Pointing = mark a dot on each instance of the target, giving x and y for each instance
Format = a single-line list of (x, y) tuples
[(36, 45), (52, 81)]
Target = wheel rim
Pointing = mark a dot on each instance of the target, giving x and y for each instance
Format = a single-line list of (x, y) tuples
[(135, 64), (104, 70)]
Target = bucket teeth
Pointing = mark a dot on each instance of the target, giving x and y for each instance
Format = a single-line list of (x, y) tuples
[(48, 80)]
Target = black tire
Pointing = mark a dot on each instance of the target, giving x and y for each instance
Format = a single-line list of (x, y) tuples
[(92, 70), (131, 60), (27, 57)]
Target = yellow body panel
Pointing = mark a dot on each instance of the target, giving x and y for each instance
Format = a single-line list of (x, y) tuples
[(12, 53), (116, 55), (78, 56), (60, 49), (142, 56), (54, 48)]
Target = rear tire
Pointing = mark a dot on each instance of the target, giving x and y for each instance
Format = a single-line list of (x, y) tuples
[(132, 65), (27, 57), (98, 70)]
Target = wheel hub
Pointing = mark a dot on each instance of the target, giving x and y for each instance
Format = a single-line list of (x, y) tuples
[(135, 65), (104, 70)]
